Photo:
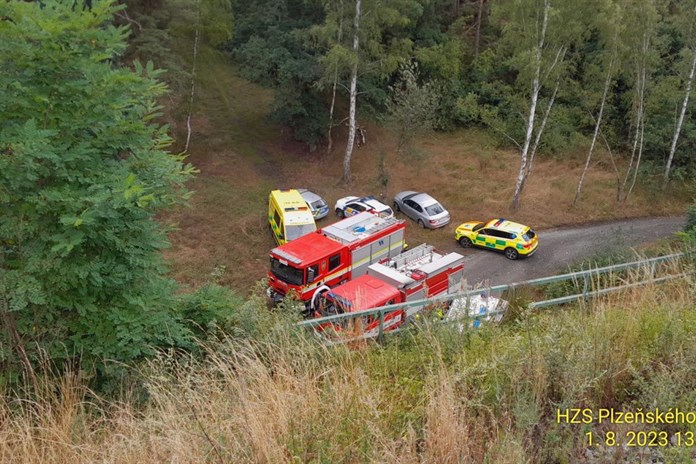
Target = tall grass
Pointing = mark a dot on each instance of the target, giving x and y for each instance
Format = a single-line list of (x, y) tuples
[(433, 396)]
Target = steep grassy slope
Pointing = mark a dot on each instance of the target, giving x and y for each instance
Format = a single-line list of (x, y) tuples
[(434, 395)]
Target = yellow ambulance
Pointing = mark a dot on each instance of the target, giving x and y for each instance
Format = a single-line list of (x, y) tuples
[(289, 216)]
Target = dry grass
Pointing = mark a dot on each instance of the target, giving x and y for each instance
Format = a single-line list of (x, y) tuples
[(433, 397), (242, 156)]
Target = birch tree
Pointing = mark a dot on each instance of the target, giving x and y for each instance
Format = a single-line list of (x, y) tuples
[(689, 50), (609, 29), (536, 37), (639, 38), (354, 34), (533, 98), (336, 59), (353, 92)]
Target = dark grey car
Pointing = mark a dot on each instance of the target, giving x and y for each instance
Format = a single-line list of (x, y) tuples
[(422, 208)]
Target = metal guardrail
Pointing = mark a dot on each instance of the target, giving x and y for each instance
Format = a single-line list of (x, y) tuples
[(580, 276)]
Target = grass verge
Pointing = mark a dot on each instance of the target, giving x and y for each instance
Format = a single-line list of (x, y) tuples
[(491, 395)]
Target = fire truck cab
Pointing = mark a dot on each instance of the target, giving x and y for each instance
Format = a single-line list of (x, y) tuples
[(361, 293), (416, 274), (333, 255)]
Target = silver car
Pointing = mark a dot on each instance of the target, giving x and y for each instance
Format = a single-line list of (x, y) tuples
[(422, 208), (317, 205)]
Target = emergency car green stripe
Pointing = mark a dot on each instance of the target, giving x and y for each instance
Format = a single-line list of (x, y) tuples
[(276, 230), (500, 242)]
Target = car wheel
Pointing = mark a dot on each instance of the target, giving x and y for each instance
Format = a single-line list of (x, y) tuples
[(420, 223), (396, 207), (340, 213), (511, 253), (465, 242)]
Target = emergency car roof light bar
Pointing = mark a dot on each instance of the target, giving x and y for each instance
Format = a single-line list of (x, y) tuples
[(287, 256)]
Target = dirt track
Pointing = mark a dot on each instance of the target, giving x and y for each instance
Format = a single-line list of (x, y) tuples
[(561, 247)]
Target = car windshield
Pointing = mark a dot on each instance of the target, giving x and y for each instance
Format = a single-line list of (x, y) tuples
[(293, 232), (286, 273), (435, 209), (386, 212), (529, 235), (318, 204), (478, 227)]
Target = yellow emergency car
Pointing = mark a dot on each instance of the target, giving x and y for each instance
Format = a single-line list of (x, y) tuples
[(289, 216), (513, 239)]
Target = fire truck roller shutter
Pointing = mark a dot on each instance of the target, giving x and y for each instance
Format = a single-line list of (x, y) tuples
[(387, 246), (361, 259), (396, 244)]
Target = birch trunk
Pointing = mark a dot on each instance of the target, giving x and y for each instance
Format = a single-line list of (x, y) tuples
[(616, 168), (193, 77), (598, 123), (640, 128), (532, 111), (560, 56), (353, 94), (537, 140), (640, 154), (677, 130)]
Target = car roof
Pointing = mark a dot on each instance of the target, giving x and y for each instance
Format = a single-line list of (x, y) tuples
[(288, 198), (423, 199), (509, 226), (309, 196), (375, 204), (405, 195)]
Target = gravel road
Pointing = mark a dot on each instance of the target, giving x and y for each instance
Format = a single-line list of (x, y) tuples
[(564, 246)]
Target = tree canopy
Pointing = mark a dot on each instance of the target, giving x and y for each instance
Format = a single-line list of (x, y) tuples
[(484, 58), (83, 171)]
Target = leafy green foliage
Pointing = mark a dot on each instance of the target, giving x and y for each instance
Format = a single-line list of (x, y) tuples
[(83, 171), (413, 106), (691, 219), (271, 50), (482, 56)]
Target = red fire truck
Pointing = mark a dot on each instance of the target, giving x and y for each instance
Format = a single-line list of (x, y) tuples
[(333, 255), (413, 275)]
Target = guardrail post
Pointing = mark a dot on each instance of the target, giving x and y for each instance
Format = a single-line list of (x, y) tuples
[(380, 335)]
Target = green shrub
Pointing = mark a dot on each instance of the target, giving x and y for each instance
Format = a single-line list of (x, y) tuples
[(690, 226)]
